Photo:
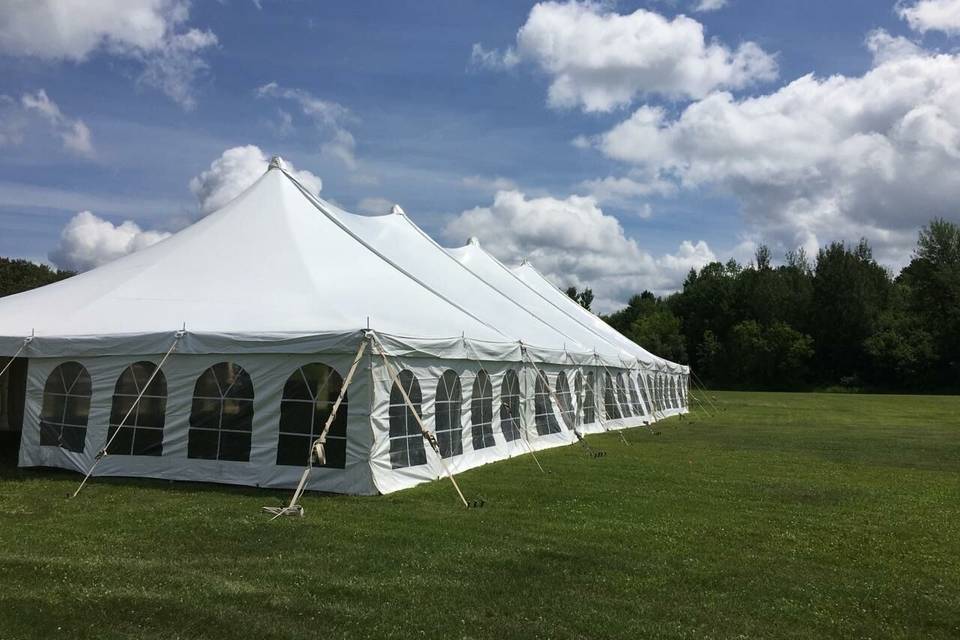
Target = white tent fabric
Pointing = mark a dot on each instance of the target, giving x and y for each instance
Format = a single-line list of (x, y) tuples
[(271, 297)]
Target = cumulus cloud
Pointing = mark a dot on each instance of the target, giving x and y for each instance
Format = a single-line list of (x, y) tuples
[(600, 60), (709, 5), (150, 33), (626, 190), (89, 241), (73, 132), (236, 169), (932, 15), (330, 118), (820, 158), (574, 243)]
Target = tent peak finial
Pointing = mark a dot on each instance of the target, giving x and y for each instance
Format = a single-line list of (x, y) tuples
[(473, 241), (276, 162), (397, 210)]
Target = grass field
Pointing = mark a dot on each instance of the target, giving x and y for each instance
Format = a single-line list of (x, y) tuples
[(782, 516)]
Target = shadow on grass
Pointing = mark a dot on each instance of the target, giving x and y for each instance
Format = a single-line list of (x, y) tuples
[(10, 472)]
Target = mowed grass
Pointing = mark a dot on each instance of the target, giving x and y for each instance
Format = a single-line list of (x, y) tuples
[(781, 516)]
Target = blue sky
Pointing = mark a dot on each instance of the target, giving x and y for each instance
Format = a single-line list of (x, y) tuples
[(432, 127)]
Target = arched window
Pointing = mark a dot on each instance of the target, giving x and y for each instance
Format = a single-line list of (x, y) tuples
[(565, 400), (622, 397), (481, 412), (510, 406), (610, 398), (406, 440), (66, 407), (543, 406), (449, 429), (308, 398), (644, 396), (142, 433), (674, 395), (634, 396), (578, 395), (589, 400), (652, 387), (221, 420)]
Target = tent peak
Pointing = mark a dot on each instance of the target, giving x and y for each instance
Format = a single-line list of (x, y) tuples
[(473, 241), (397, 210), (276, 162)]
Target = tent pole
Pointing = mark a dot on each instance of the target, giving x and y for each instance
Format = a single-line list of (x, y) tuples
[(318, 445), (427, 435), (103, 452)]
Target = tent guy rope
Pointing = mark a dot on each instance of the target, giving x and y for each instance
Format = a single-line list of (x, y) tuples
[(521, 428), (23, 346), (427, 434), (318, 446), (103, 452)]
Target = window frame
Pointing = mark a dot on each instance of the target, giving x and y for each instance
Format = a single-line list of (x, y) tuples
[(233, 436), (160, 395), (481, 406), (543, 414), (70, 399), (406, 438), (322, 398), (510, 410)]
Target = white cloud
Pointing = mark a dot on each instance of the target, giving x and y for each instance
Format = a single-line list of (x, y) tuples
[(484, 183), (820, 158), (710, 5), (573, 242), (374, 206), (932, 15), (148, 32), (492, 59), (175, 67), (73, 132), (599, 60), (236, 169), (626, 190), (88, 241), (329, 117)]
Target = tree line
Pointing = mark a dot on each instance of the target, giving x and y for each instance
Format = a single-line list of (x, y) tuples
[(18, 275), (838, 320)]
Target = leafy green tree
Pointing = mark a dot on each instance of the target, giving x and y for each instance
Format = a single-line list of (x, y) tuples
[(933, 279), (17, 276), (659, 332), (902, 353), (583, 298), (850, 291), (774, 356)]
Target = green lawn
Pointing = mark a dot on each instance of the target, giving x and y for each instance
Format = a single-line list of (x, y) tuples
[(784, 515)]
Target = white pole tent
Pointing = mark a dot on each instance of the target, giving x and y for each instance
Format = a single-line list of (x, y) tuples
[(219, 354)]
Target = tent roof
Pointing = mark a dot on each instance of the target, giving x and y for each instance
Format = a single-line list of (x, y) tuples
[(479, 261), (266, 264), (279, 269), (536, 280)]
